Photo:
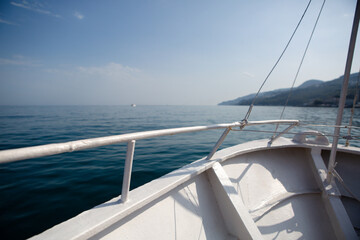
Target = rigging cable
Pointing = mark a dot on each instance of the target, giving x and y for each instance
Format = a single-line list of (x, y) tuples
[(272, 69), (353, 109), (301, 62), (326, 125), (327, 134), (336, 175)]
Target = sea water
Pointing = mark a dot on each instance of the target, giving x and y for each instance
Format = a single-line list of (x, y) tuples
[(38, 193)]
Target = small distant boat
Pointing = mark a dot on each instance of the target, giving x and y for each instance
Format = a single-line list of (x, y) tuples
[(133, 105)]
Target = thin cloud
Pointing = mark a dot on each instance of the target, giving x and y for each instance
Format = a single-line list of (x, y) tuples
[(35, 7), (78, 15), (8, 22), (19, 60), (110, 71), (248, 74)]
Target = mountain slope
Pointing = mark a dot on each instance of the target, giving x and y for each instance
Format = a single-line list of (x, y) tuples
[(310, 93)]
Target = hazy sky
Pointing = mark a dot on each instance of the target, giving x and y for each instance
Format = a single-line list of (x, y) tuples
[(163, 52)]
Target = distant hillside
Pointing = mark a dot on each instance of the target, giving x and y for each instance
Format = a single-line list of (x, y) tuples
[(310, 83), (311, 93)]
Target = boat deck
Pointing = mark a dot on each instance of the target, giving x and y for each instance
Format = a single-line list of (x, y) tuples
[(249, 191)]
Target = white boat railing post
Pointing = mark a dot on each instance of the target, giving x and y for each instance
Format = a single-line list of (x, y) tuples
[(127, 170), (218, 143), (283, 132)]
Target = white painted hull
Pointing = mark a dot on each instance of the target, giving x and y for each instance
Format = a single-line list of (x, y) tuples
[(249, 191)]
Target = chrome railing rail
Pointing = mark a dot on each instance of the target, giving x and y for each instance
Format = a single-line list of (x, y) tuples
[(13, 155)]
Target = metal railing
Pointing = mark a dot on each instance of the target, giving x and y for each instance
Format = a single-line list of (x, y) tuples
[(13, 155)]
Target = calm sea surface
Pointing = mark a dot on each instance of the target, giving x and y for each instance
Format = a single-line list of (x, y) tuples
[(39, 193)]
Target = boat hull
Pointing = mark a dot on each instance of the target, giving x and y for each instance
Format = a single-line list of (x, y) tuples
[(249, 191)]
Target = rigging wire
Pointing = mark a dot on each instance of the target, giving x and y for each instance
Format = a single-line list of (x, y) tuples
[(354, 137), (353, 108), (308, 125), (332, 126), (272, 69), (321, 123), (301, 62), (339, 178)]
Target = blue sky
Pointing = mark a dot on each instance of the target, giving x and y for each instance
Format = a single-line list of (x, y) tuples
[(163, 52)]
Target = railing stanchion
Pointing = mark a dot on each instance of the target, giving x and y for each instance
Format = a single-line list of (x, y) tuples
[(127, 170), (218, 144), (282, 133)]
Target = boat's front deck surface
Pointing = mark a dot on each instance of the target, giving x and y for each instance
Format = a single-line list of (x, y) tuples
[(249, 191), (281, 193), (188, 212)]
